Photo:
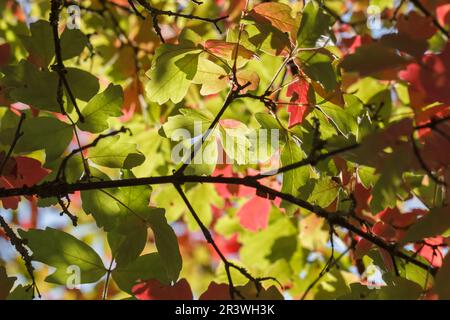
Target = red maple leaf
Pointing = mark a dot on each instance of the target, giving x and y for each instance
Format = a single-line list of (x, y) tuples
[(216, 291), (429, 80), (384, 231), (443, 14), (432, 250), (22, 171), (299, 106), (228, 246), (429, 114), (228, 190), (155, 290), (254, 214), (362, 197), (350, 44)]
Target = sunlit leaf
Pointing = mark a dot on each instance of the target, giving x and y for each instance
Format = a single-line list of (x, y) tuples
[(70, 256)]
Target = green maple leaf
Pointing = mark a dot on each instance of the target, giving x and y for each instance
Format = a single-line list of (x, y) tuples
[(115, 154), (25, 83), (102, 106), (314, 24), (40, 43), (63, 251), (172, 72)]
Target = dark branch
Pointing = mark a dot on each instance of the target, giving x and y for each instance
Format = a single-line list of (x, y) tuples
[(328, 266), (197, 146), (55, 188), (135, 10), (59, 66), (155, 12), (227, 264), (65, 210), (19, 244)]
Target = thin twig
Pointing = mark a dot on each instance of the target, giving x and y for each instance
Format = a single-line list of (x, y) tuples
[(228, 265), (232, 94), (65, 210), (155, 13), (61, 171), (59, 66), (422, 162), (108, 276), (329, 264), (60, 69), (19, 244), (16, 138)]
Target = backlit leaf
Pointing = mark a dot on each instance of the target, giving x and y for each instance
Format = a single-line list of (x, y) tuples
[(66, 253), (173, 70), (102, 106)]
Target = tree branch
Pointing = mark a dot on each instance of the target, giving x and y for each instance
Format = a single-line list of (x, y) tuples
[(59, 66), (65, 210), (61, 171), (228, 265), (338, 218), (330, 264), (155, 12), (19, 244)]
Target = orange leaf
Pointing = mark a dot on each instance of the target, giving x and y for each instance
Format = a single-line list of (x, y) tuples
[(226, 50)]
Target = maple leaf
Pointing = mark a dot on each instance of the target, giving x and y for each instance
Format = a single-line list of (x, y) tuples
[(24, 172), (235, 8), (429, 80), (216, 291), (254, 214), (416, 26), (228, 190), (351, 44), (434, 143), (279, 15), (29, 171), (299, 103), (9, 202), (373, 59), (221, 291), (362, 197), (155, 290), (228, 246), (381, 229), (432, 250), (443, 14), (428, 114), (227, 49), (132, 101)]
